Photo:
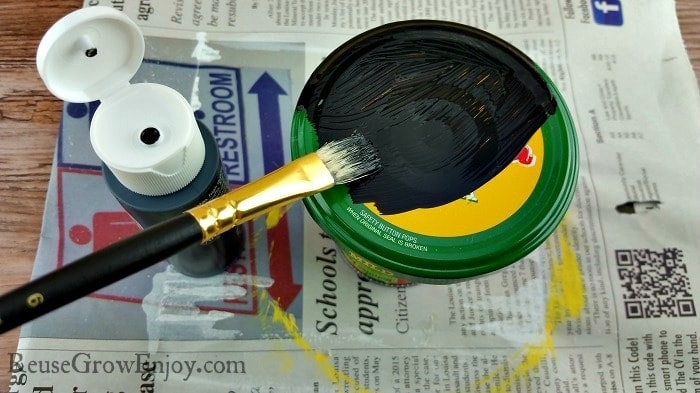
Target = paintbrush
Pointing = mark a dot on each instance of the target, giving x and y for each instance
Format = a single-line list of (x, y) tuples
[(337, 162)]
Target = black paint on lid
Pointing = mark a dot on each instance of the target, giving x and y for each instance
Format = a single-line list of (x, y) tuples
[(447, 106)]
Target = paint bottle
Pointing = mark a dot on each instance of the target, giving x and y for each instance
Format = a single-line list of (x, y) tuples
[(158, 161), (479, 151)]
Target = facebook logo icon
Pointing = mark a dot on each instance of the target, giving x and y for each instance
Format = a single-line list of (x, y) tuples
[(607, 12)]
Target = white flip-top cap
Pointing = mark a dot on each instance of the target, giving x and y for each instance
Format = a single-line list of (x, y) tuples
[(145, 133)]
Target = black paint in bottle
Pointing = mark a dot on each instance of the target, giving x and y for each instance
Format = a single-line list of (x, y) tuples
[(204, 260)]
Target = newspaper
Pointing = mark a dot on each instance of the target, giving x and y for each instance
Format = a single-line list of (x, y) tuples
[(607, 304)]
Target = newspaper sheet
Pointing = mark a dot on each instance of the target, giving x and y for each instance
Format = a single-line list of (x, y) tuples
[(605, 305)]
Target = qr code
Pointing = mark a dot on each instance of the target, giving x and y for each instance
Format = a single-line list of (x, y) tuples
[(655, 283)]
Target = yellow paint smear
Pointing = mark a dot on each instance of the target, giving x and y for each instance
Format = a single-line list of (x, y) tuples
[(566, 299), (274, 216), (272, 219), (279, 316)]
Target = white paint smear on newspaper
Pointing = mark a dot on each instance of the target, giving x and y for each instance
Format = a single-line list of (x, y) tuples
[(171, 306), (204, 54)]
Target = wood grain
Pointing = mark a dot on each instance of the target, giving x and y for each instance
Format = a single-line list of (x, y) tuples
[(29, 118), (689, 20)]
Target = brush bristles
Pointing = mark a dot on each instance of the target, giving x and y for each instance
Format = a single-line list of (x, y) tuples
[(349, 159)]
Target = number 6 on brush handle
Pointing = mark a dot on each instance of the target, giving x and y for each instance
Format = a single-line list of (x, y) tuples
[(97, 270)]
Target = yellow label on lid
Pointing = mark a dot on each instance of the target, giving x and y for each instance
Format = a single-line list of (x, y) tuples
[(485, 208)]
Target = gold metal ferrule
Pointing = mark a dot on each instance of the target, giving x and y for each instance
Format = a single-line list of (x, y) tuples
[(302, 177)]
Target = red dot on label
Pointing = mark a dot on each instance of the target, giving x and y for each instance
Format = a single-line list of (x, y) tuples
[(80, 234)]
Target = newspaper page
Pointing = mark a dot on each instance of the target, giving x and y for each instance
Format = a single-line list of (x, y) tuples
[(606, 304)]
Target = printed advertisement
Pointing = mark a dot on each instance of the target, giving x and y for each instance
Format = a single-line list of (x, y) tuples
[(605, 304)]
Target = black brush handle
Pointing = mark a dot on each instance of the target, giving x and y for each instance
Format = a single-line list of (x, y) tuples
[(97, 270)]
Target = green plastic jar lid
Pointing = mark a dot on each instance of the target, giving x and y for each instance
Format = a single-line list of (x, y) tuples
[(492, 227)]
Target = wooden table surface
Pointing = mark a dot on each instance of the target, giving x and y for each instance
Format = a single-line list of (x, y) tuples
[(29, 118)]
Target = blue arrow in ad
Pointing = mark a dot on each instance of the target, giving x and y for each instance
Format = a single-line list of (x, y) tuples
[(268, 91)]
